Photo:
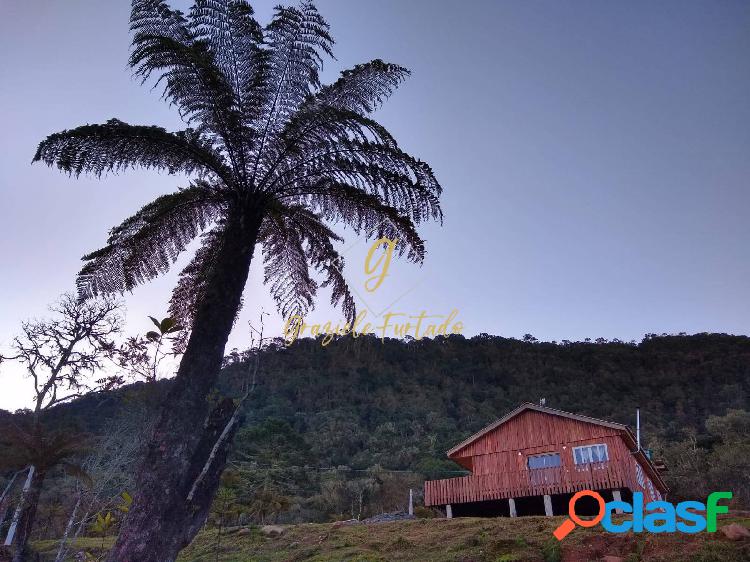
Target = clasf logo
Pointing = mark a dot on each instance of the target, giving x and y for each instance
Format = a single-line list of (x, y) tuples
[(654, 517)]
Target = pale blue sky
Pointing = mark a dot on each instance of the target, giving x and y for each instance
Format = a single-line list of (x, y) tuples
[(595, 158)]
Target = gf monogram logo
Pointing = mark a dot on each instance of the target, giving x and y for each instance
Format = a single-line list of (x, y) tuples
[(381, 265), (393, 323)]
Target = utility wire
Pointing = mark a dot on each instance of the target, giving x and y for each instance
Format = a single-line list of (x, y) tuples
[(252, 465)]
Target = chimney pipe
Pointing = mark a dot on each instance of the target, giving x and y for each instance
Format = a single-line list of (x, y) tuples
[(638, 427)]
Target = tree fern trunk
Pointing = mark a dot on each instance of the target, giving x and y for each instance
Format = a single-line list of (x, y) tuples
[(162, 521)]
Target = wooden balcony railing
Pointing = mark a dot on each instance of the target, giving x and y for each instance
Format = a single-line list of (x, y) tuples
[(530, 482)]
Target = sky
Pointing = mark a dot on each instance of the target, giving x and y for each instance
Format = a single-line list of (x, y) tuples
[(595, 158)]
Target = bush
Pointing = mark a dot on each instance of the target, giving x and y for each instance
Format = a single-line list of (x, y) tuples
[(421, 512), (551, 551)]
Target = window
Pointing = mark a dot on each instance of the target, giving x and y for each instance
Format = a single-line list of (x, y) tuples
[(590, 454), (547, 460)]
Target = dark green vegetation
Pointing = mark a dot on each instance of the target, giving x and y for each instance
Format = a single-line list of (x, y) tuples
[(344, 431), (364, 404), (440, 540)]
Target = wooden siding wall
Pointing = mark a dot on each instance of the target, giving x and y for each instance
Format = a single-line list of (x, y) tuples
[(534, 429), (533, 433), (517, 459), (640, 482)]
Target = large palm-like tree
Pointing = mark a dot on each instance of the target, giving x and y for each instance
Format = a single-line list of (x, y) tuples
[(274, 159)]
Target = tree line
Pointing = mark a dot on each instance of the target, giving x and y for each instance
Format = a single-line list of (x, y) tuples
[(344, 431)]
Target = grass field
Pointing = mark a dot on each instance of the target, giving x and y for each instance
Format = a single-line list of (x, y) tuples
[(446, 540)]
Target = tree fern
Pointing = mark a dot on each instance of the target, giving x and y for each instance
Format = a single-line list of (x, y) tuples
[(262, 127), (273, 158)]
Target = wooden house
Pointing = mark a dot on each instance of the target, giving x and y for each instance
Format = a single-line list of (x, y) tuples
[(534, 459)]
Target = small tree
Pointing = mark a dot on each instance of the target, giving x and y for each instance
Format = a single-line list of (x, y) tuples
[(142, 356), (60, 356), (267, 502)]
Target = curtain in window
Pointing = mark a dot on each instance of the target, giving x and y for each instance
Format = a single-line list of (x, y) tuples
[(590, 454), (544, 461)]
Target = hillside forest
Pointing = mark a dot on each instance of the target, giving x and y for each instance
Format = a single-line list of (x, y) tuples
[(346, 430)]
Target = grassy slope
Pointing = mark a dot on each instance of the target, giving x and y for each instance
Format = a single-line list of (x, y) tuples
[(457, 540)]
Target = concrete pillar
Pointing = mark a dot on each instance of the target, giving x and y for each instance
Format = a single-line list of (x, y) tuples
[(512, 504), (548, 505), (411, 502), (618, 498), (449, 511)]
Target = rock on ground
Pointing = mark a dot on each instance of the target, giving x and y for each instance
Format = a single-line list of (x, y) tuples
[(735, 532), (272, 530), (388, 517)]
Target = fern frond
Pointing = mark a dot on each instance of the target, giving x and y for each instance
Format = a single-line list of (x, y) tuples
[(285, 265), (296, 38), (191, 285), (362, 88), (401, 181), (29, 443), (115, 146), (365, 213), (235, 40), (313, 131), (146, 244), (156, 18), (313, 245), (193, 83), (322, 255)]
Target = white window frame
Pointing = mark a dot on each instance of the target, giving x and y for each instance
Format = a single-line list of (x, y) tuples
[(589, 457), (550, 454)]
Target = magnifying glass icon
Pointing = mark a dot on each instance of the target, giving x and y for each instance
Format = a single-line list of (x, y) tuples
[(569, 524)]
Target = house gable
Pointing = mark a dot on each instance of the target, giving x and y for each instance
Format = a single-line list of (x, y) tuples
[(531, 431), (544, 426)]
